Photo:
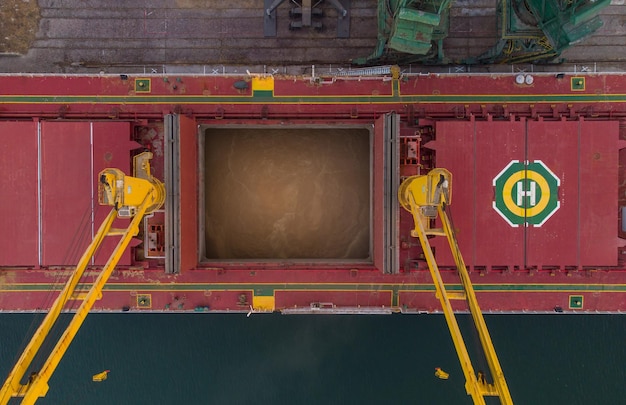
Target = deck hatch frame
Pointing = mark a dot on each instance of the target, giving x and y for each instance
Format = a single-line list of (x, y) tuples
[(308, 263)]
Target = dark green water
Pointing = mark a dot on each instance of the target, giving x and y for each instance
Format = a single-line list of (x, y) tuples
[(276, 359)]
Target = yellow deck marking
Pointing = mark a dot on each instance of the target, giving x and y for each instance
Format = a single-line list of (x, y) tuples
[(262, 303), (263, 83)]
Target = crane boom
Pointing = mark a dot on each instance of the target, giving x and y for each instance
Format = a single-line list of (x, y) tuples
[(130, 197), (426, 197)]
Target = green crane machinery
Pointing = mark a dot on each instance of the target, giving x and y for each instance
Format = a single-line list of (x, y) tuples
[(531, 31)]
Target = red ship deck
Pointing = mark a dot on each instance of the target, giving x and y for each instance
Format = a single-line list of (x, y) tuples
[(58, 132)]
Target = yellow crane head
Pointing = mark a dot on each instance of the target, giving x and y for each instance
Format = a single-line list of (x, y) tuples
[(424, 195), (430, 190), (126, 193)]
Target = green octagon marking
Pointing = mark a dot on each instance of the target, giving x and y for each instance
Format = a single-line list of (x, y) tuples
[(526, 193)]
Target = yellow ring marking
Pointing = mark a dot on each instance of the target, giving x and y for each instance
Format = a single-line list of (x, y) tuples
[(508, 199)]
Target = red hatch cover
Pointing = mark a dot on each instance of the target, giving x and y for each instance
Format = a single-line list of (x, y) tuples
[(73, 153), (18, 189), (533, 193), (50, 210)]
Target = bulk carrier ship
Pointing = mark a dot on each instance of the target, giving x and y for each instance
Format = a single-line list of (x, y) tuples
[(282, 187)]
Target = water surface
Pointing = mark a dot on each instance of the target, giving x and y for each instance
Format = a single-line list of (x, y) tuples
[(278, 359)]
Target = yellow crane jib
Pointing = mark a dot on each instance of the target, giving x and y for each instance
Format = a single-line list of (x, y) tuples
[(427, 197), (129, 197)]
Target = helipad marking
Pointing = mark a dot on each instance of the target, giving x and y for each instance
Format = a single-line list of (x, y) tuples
[(526, 193)]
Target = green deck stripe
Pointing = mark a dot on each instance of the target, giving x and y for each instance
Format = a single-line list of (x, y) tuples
[(256, 94), (265, 97), (269, 289)]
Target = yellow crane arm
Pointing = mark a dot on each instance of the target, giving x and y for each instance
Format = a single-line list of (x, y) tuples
[(131, 197), (426, 197)]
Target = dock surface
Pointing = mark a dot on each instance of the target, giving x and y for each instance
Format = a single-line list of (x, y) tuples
[(66, 36)]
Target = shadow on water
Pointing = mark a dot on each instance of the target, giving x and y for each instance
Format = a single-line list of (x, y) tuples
[(274, 359)]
